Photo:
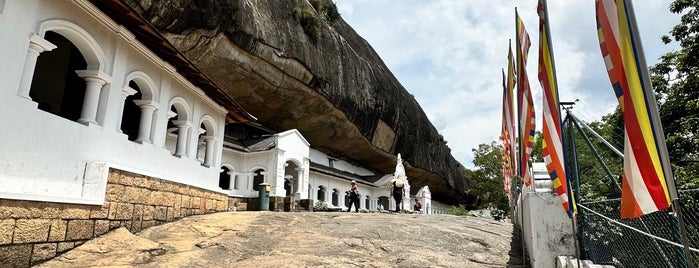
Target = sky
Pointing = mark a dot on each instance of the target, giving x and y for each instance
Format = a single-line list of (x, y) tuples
[(449, 54)]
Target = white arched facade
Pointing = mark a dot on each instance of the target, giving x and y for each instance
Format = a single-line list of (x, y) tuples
[(70, 162)]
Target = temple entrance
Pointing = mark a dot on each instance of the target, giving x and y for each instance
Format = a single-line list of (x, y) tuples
[(383, 200)]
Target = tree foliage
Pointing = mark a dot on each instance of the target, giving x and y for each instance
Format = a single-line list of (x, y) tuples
[(487, 178), (676, 82)]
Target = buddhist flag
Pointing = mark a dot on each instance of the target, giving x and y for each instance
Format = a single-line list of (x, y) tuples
[(644, 188), (552, 149), (506, 135), (511, 121), (526, 105)]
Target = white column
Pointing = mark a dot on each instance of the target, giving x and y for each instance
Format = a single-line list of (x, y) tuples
[(37, 44), (209, 155), (125, 93), (94, 81), (249, 181), (148, 107), (182, 132), (299, 183), (231, 180)]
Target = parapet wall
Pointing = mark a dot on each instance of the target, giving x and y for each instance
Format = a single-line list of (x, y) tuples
[(32, 232)]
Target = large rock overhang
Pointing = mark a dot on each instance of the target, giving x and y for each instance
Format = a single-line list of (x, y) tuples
[(337, 91)]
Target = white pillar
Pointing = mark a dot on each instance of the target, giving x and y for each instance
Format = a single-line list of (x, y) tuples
[(94, 81), (182, 132), (209, 155), (148, 108), (231, 180), (37, 44), (299, 183)]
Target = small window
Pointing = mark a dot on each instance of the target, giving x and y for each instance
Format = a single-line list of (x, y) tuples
[(224, 179), (259, 178), (55, 85), (131, 116)]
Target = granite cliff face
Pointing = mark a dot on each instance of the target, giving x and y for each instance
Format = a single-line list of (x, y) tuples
[(332, 86)]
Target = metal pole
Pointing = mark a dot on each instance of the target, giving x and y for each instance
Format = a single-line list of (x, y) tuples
[(575, 176), (611, 147), (594, 151)]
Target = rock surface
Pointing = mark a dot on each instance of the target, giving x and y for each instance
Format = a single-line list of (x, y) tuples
[(318, 239), (336, 91)]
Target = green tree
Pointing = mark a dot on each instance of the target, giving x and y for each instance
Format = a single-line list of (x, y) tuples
[(487, 182), (676, 82)]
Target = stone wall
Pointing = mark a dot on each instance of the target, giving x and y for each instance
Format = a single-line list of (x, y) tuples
[(32, 232)]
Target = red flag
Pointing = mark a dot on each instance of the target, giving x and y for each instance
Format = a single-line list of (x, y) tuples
[(526, 114), (644, 189), (506, 135), (552, 149)]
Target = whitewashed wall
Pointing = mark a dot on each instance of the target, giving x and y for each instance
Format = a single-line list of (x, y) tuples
[(46, 157)]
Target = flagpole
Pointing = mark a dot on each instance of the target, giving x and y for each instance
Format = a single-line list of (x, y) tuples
[(570, 210), (658, 131), (510, 85), (518, 54)]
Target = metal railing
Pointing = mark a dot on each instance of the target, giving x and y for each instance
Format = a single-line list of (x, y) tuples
[(653, 240), (649, 241)]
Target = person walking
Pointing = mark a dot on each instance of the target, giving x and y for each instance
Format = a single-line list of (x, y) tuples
[(354, 197), (396, 189)]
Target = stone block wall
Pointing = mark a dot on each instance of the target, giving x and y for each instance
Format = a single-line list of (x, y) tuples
[(32, 232)]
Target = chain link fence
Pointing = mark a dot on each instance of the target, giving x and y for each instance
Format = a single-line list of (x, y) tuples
[(653, 240)]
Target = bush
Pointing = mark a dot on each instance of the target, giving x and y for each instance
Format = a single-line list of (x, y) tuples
[(458, 211), (330, 13), (320, 206), (310, 24)]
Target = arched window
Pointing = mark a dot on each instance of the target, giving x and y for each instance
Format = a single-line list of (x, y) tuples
[(201, 144), (171, 132), (321, 193), (139, 107), (366, 202), (336, 198), (131, 116), (383, 200), (206, 141), (55, 86), (178, 127), (224, 179), (259, 178)]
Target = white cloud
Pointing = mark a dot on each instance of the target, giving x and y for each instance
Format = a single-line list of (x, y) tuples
[(449, 54)]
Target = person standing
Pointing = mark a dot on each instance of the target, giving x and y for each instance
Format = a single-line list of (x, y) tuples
[(354, 197), (396, 189)]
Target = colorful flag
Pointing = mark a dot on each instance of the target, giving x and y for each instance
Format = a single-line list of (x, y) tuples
[(511, 114), (644, 189), (552, 149), (526, 114), (506, 135)]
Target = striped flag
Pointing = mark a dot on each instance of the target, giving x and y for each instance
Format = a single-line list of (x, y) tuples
[(552, 149), (526, 115), (644, 188), (511, 114), (506, 135)]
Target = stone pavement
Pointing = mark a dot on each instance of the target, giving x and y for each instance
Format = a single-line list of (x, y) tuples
[(305, 239)]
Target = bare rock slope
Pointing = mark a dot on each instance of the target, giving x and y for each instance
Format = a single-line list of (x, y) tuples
[(331, 85), (268, 239)]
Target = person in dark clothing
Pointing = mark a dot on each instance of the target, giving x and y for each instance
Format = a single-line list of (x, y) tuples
[(354, 197), (397, 193)]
